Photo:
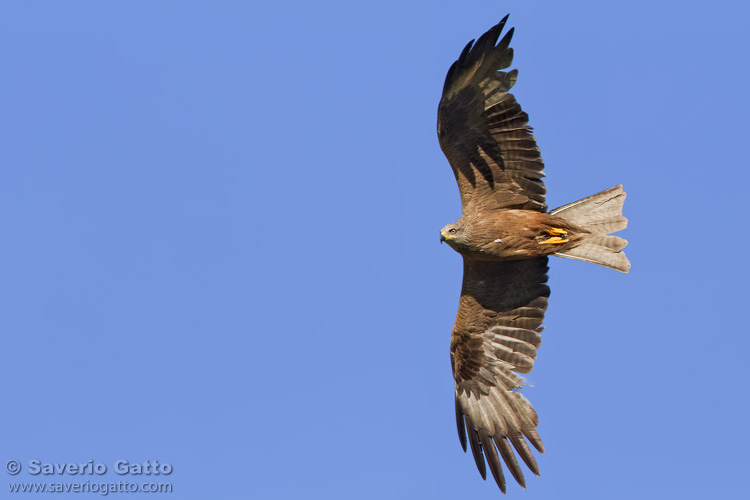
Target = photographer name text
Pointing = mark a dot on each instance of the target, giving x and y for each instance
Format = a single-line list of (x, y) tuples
[(120, 467)]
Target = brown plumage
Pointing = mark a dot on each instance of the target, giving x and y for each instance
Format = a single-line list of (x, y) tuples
[(505, 235)]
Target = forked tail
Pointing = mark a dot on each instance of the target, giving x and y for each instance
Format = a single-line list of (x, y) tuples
[(600, 214)]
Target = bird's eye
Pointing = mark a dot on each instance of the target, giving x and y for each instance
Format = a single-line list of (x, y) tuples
[(452, 231)]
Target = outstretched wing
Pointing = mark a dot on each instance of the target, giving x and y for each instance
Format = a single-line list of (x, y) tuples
[(496, 335), (485, 134)]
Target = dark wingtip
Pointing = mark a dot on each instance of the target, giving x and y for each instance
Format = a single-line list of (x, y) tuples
[(475, 48), (493, 460), (533, 437), (476, 450), (510, 460), (504, 20), (466, 50), (505, 41), (525, 453), (461, 427)]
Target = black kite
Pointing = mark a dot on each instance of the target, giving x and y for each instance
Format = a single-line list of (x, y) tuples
[(505, 235)]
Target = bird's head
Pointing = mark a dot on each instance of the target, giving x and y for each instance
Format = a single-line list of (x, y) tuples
[(454, 234)]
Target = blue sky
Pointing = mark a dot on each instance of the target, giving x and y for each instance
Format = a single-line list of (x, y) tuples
[(220, 245)]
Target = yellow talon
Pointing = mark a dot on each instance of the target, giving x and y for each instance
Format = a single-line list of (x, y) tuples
[(557, 236), (555, 240)]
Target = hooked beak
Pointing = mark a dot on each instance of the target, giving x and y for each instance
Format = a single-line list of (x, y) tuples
[(442, 237)]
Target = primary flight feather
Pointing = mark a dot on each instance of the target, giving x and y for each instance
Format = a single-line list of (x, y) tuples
[(505, 235)]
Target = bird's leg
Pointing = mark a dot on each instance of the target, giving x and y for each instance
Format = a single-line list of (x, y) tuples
[(556, 236)]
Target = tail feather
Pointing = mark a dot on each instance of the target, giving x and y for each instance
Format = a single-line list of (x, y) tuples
[(599, 214)]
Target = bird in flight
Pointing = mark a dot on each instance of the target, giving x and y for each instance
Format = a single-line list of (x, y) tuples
[(505, 235)]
